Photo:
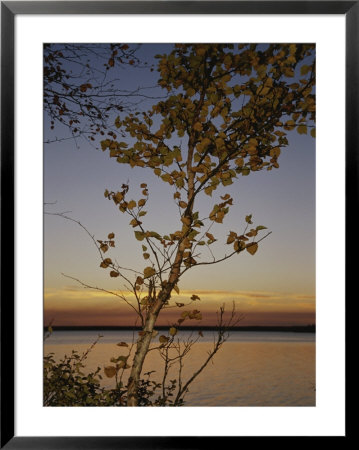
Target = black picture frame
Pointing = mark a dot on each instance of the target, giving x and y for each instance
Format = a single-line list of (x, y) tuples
[(9, 9)]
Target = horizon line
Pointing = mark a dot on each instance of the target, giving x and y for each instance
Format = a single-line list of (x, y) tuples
[(308, 328)]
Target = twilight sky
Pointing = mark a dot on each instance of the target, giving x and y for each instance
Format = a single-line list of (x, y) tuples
[(276, 286)]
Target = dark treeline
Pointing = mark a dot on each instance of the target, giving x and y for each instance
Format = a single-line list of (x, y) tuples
[(294, 328)]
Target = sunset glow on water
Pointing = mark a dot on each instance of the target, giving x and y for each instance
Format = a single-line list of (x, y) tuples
[(251, 369)]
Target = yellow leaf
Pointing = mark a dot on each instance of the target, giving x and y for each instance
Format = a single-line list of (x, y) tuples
[(104, 247), (219, 217), (139, 235), (131, 204), (106, 262), (149, 272), (104, 144), (208, 190), (302, 129), (111, 235), (119, 197), (118, 122), (304, 70), (139, 280), (239, 162), (114, 274), (163, 339), (210, 236), (135, 223), (219, 142), (274, 152), (173, 331), (205, 142), (198, 126), (238, 246), (167, 178), (186, 220), (110, 371), (252, 248)]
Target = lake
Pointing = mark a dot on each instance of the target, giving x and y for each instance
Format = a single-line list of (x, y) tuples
[(251, 369)]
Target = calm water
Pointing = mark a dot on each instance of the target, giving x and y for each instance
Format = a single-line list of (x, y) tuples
[(251, 369)]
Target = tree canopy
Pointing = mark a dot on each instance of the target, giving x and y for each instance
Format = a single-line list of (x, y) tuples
[(228, 112), (235, 106), (83, 88)]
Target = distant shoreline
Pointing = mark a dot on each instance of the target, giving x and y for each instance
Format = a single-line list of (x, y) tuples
[(293, 329)]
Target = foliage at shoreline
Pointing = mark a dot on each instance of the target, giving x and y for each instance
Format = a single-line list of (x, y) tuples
[(67, 384)]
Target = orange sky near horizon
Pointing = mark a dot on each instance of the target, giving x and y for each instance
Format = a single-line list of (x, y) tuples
[(74, 306)]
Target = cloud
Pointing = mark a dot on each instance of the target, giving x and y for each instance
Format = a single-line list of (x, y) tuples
[(169, 317), (74, 305)]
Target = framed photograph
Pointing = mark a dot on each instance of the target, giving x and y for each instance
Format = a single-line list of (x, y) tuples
[(175, 187)]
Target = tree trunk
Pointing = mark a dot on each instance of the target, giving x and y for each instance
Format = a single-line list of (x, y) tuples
[(141, 352), (145, 340), (164, 295)]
